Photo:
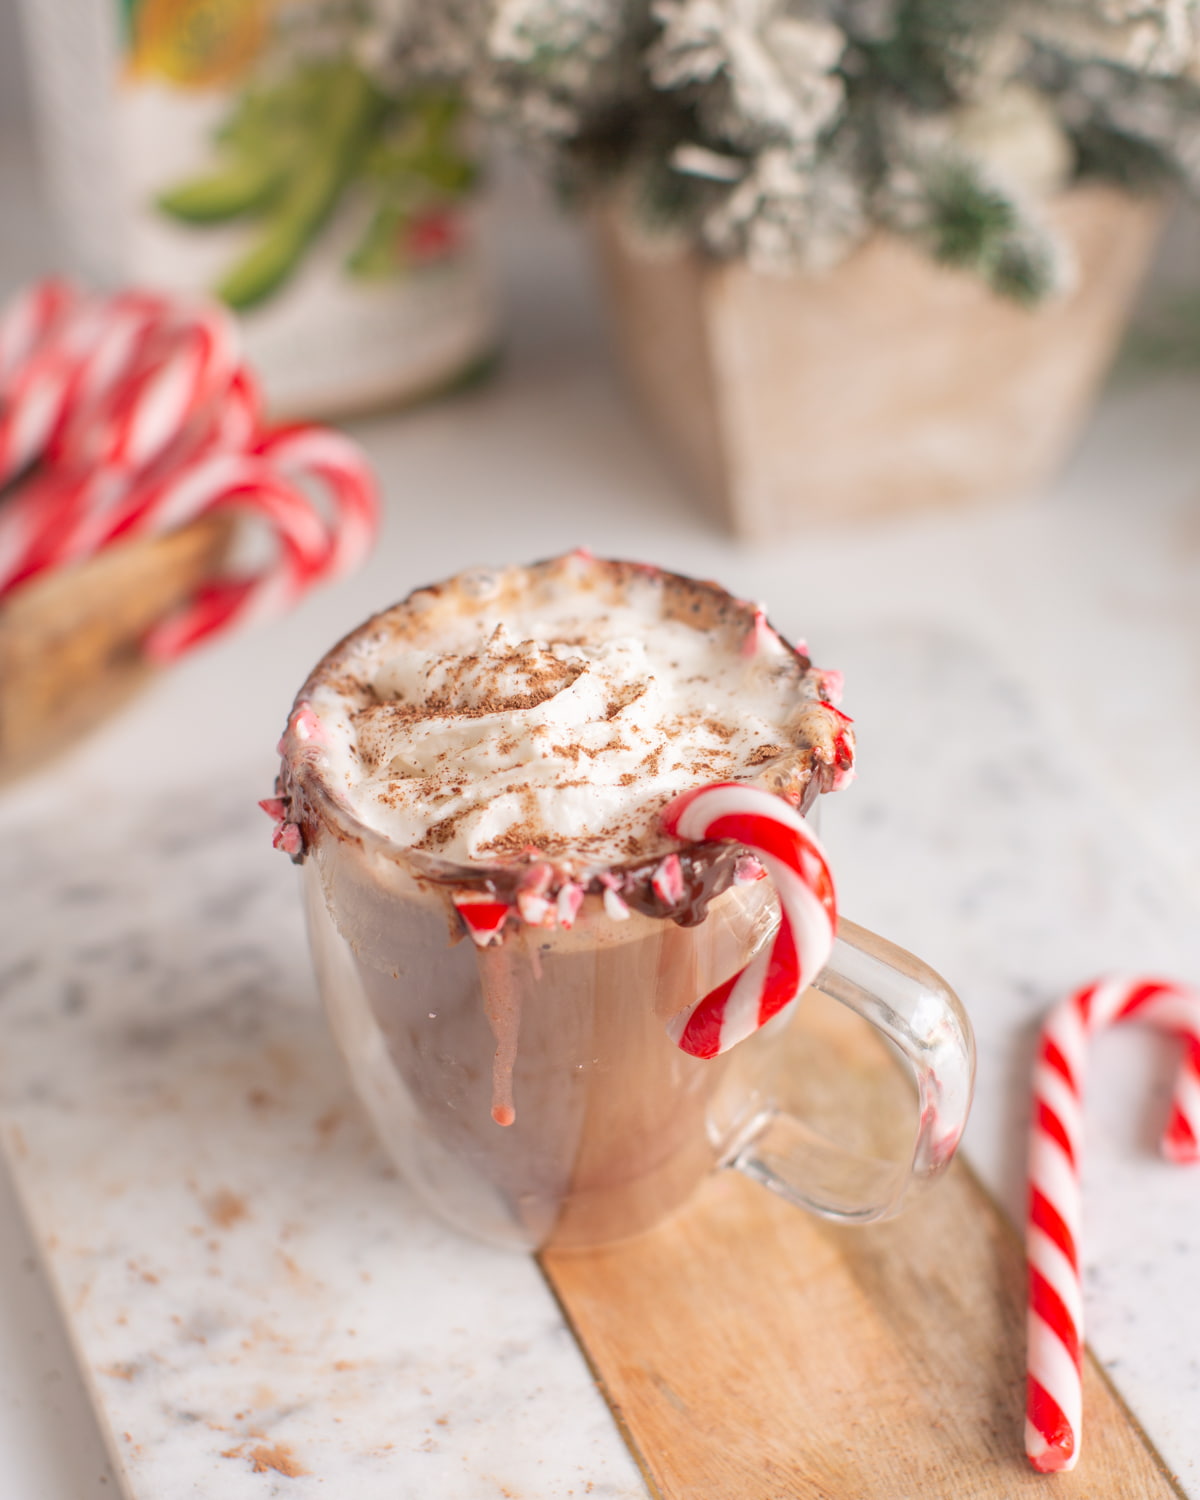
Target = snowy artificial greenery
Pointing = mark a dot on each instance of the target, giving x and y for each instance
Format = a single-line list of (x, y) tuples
[(784, 131)]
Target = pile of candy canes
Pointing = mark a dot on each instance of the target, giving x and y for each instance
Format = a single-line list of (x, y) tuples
[(132, 415)]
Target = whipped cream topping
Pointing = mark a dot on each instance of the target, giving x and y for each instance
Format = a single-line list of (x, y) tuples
[(550, 712)]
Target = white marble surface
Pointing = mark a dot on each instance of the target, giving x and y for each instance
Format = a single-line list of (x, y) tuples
[(1091, 595), (249, 1288), (983, 848)]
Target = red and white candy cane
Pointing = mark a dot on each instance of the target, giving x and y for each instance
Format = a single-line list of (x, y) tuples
[(311, 547), (85, 355), (799, 871), (319, 454), (266, 482), (240, 482), (67, 513), (1054, 1400), (27, 321), (177, 362), (141, 419)]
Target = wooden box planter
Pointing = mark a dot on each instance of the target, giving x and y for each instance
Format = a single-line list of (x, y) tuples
[(889, 384), (70, 641)]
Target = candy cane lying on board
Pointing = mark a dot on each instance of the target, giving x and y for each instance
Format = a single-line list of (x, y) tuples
[(1054, 1362), (796, 865)]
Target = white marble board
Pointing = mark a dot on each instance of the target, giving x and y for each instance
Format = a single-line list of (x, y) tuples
[(261, 1308), (258, 1305)]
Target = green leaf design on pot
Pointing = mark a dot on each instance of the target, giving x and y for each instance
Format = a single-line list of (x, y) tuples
[(416, 170), (348, 108), (128, 13), (244, 185), (297, 147)]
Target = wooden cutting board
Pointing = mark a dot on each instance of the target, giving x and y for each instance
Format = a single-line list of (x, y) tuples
[(750, 1351)]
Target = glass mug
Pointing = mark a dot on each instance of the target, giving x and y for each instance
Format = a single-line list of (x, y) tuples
[(614, 1126)]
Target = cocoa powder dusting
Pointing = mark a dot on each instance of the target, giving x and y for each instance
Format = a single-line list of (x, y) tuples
[(439, 834)]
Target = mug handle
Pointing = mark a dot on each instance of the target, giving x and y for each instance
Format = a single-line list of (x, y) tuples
[(918, 1012)]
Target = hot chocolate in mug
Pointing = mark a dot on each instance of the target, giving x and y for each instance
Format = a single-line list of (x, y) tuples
[(563, 900)]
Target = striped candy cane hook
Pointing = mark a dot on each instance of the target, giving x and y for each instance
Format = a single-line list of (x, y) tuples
[(1054, 1361), (799, 871)]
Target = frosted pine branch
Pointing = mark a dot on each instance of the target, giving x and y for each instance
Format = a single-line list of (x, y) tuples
[(784, 131), (777, 67)]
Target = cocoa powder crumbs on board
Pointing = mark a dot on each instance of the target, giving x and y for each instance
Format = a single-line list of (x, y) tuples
[(280, 1458), (225, 1208), (263, 1459)]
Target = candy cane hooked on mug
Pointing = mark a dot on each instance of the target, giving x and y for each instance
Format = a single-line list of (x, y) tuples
[(1054, 1401), (797, 867)]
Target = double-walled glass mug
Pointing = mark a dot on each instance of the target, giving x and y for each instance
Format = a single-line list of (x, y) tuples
[(529, 1089)]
